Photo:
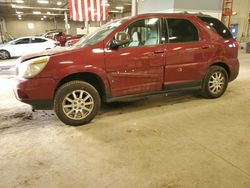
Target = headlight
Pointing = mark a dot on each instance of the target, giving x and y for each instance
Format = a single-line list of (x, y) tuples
[(32, 67)]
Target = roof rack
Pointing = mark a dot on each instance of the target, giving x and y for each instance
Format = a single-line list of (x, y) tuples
[(196, 14)]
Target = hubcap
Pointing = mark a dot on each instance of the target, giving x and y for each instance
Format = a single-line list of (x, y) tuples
[(3, 55), (216, 83), (78, 104)]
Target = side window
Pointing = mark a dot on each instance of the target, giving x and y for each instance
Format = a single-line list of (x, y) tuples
[(37, 40), (219, 27), (23, 41), (144, 32), (181, 30)]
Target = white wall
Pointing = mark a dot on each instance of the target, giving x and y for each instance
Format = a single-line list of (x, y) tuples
[(206, 5), (153, 6), (211, 7)]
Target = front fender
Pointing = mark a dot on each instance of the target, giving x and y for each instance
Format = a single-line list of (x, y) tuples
[(75, 69)]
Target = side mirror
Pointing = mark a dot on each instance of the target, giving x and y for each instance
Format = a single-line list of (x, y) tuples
[(120, 39), (12, 43)]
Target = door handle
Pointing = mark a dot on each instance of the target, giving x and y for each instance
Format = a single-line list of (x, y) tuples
[(159, 52)]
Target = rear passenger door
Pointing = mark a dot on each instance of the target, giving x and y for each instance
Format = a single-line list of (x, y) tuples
[(185, 54)]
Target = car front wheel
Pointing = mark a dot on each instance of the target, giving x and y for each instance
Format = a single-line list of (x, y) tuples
[(215, 82), (76, 103), (4, 54)]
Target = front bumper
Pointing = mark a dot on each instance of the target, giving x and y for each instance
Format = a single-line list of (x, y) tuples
[(37, 92)]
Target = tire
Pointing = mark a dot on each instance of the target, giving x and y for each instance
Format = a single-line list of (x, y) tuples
[(4, 54), (215, 82), (76, 103)]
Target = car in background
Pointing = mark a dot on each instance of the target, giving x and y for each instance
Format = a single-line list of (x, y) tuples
[(62, 38), (58, 36), (25, 45), (74, 40), (51, 34)]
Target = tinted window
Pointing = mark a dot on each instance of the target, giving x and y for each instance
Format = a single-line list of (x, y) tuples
[(23, 41), (181, 30), (144, 32), (218, 26), (37, 40)]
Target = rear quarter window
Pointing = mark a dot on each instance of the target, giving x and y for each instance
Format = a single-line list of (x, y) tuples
[(219, 27)]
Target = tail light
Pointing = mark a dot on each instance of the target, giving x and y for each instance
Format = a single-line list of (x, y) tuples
[(237, 44)]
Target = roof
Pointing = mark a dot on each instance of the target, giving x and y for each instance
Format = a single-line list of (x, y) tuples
[(173, 14), (31, 37)]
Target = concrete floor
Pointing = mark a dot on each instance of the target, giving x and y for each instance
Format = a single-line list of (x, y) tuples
[(158, 142)]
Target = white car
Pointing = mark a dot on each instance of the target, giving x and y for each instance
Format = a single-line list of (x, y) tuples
[(26, 45)]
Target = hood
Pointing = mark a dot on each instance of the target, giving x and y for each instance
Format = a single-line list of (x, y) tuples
[(45, 53)]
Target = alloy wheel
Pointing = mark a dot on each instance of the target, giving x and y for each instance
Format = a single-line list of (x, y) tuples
[(4, 54), (216, 82), (78, 104)]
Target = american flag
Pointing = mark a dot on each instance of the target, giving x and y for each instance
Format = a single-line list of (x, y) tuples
[(88, 10)]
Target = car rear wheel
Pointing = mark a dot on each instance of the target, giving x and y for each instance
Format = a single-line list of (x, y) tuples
[(4, 54), (76, 103), (215, 82)]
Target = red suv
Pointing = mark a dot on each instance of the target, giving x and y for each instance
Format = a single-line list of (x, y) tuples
[(130, 57)]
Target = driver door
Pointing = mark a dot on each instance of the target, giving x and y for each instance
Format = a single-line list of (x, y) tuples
[(137, 67)]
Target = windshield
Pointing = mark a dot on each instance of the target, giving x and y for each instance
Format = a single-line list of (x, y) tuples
[(99, 34)]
